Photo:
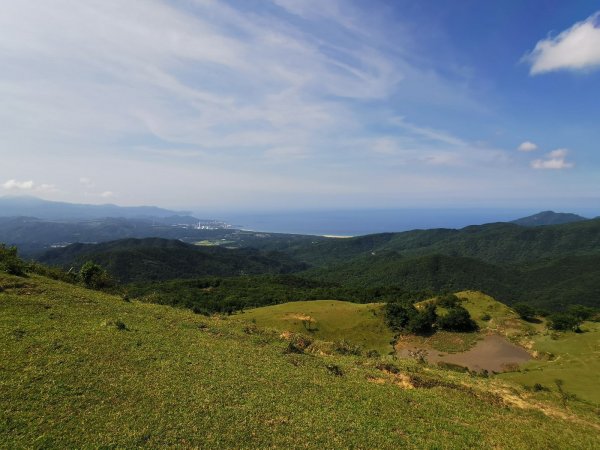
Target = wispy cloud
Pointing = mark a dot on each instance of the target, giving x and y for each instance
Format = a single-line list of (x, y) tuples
[(226, 101), (555, 160), (577, 48)]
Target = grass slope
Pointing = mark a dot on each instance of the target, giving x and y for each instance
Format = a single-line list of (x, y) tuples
[(571, 357), (84, 369), (330, 320)]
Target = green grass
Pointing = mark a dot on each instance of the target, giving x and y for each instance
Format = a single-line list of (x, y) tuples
[(573, 358), (330, 320), (72, 377)]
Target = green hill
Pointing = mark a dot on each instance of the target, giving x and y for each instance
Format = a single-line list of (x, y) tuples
[(80, 368), (328, 320), (550, 284), (548, 218), (570, 357), (496, 243), (130, 260)]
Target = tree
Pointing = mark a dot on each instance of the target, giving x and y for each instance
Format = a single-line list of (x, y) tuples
[(582, 312), (94, 276), (397, 315), (524, 311), (10, 262), (564, 321), (405, 317), (422, 321), (457, 319)]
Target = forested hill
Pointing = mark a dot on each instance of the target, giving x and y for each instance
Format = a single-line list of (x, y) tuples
[(130, 260), (550, 284), (503, 243), (548, 218)]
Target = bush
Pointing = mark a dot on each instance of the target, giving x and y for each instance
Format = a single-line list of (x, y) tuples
[(94, 276), (344, 347), (448, 301), (335, 370), (405, 317), (298, 344), (397, 315), (10, 262), (563, 322), (373, 354), (486, 317), (422, 322), (582, 312), (524, 311), (457, 319)]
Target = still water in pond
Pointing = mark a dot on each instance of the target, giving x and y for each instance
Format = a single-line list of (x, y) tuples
[(493, 353)]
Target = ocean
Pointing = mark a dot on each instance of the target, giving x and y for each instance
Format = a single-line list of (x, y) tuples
[(365, 221)]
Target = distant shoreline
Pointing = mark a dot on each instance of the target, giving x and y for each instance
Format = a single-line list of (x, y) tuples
[(334, 236)]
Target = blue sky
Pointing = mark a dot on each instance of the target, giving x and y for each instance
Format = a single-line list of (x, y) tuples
[(291, 104)]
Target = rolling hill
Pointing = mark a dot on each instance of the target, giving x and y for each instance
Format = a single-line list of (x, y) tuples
[(151, 259), (28, 206), (496, 243), (148, 375), (548, 218)]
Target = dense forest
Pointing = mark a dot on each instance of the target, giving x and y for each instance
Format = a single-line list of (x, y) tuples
[(547, 267)]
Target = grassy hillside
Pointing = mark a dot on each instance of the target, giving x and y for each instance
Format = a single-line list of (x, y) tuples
[(328, 320), (571, 357), (84, 369)]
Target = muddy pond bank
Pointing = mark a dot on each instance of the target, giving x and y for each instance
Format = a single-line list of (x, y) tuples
[(493, 353)]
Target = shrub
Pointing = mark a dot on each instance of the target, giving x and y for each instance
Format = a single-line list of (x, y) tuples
[(335, 370), (298, 344), (457, 319), (10, 262), (397, 315), (344, 347), (94, 276), (581, 312), (448, 301), (486, 317), (524, 311), (564, 321), (537, 387)]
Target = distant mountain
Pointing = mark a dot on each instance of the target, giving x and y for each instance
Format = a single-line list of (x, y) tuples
[(154, 259), (45, 209), (548, 218)]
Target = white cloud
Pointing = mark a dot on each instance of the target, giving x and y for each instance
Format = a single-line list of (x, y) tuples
[(577, 48), (527, 146), (107, 194), (29, 185), (18, 185), (555, 160)]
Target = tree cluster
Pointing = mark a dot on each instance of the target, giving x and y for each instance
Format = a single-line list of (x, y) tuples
[(404, 316)]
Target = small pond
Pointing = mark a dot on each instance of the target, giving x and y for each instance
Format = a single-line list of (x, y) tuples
[(493, 353)]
